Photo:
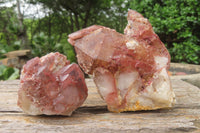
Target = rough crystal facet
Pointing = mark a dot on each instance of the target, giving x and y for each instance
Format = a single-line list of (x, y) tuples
[(130, 69), (51, 85)]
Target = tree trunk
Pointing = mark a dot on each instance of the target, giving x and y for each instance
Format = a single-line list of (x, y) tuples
[(22, 35), (87, 14), (49, 27), (72, 22), (76, 21)]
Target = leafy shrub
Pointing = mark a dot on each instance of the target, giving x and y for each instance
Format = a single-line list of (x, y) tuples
[(8, 73), (4, 48), (43, 45), (186, 52), (178, 25)]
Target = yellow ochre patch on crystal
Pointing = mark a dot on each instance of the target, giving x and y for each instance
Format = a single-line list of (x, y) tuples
[(134, 107)]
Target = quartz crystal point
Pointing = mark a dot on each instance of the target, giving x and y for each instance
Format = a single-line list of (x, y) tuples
[(50, 85), (130, 69)]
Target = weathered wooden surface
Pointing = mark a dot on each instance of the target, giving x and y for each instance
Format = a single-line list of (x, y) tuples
[(94, 117)]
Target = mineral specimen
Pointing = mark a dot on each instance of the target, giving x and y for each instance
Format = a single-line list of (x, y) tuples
[(130, 69), (51, 85)]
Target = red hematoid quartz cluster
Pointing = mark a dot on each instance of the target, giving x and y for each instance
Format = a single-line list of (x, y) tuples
[(130, 69), (51, 85)]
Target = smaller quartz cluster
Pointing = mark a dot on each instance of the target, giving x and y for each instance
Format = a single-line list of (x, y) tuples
[(50, 85)]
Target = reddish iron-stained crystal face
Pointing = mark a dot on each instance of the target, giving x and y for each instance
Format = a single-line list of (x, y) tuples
[(130, 69), (51, 85)]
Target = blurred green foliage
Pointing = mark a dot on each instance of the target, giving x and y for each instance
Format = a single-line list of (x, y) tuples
[(178, 25), (42, 44), (8, 31), (8, 73), (176, 22)]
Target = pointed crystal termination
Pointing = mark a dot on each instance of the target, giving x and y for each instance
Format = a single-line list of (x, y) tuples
[(130, 69), (50, 85)]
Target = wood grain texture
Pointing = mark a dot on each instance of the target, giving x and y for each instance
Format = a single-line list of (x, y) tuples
[(93, 116)]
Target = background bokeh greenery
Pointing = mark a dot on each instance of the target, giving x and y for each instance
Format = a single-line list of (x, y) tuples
[(8, 73), (177, 22)]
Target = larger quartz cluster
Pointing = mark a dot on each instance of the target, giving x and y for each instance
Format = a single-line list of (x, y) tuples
[(130, 69), (51, 85)]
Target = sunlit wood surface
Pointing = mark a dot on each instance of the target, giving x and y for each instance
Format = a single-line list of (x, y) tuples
[(94, 117)]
